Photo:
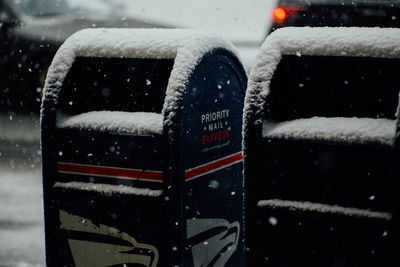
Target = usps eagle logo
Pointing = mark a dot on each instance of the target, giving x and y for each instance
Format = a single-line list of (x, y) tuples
[(212, 241), (86, 252)]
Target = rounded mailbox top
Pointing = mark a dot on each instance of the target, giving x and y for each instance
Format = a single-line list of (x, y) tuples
[(307, 41), (185, 47)]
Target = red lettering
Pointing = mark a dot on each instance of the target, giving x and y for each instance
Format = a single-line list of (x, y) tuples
[(203, 140), (215, 137)]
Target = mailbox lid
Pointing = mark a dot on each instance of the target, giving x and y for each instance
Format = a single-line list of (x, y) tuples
[(305, 42), (115, 84)]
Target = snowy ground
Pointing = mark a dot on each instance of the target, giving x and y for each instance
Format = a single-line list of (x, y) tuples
[(21, 216)]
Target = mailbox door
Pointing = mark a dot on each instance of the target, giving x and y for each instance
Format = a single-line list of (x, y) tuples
[(106, 200)]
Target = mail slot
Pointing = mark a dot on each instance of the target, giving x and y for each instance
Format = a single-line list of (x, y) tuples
[(321, 148), (141, 144)]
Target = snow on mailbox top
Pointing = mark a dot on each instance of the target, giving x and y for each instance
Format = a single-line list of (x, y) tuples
[(323, 41), (186, 47)]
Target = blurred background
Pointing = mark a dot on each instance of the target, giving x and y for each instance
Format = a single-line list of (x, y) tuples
[(30, 33)]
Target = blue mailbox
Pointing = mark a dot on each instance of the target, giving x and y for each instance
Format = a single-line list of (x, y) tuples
[(321, 148), (141, 140)]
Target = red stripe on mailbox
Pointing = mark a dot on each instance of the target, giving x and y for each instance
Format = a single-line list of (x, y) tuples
[(109, 172), (213, 166)]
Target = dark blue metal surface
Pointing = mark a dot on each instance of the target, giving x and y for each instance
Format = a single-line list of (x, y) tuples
[(167, 222), (211, 132), (315, 189)]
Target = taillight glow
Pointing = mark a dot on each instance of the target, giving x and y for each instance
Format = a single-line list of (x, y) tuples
[(279, 14)]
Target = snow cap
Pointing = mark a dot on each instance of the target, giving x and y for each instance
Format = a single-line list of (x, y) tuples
[(109, 189), (187, 47), (132, 123), (320, 41), (335, 130)]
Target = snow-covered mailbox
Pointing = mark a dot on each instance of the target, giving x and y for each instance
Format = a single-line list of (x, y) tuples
[(321, 148), (141, 140)]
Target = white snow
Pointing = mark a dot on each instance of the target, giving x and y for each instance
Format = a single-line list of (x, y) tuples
[(187, 47), (323, 208), (107, 189), (134, 123), (337, 130), (20, 192), (323, 41), (21, 218)]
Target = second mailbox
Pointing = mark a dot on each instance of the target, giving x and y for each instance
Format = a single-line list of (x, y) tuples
[(321, 148), (141, 140)]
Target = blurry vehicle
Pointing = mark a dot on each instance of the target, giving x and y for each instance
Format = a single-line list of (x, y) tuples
[(31, 32), (346, 13)]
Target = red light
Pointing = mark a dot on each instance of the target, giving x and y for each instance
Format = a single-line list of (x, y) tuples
[(279, 14)]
